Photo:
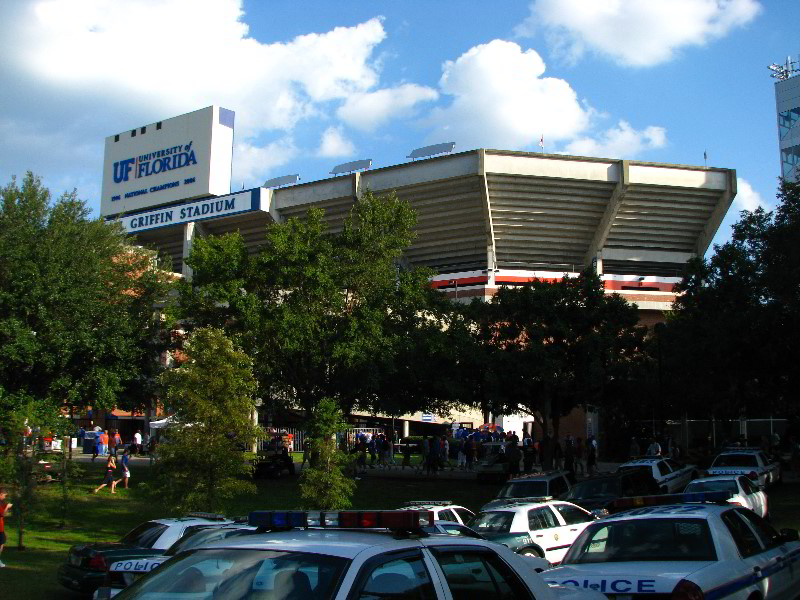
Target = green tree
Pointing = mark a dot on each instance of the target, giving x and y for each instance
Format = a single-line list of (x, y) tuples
[(324, 314), (558, 345), (201, 463), (324, 485), (76, 300), (731, 346)]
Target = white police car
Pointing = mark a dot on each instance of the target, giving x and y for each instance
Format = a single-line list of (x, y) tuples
[(540, 526), (688, 551), (443, 510), (670, 475), (342, 555), (123, 573), (751, 462), (743, 490)]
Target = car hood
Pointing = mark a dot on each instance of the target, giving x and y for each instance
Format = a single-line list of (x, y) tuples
[(653, 577)]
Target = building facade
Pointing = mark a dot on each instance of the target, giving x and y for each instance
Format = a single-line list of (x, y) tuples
[(787, 107)]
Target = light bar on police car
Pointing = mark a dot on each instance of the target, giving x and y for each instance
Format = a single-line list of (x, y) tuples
[(428, 503), (688, 498), (350, 519)]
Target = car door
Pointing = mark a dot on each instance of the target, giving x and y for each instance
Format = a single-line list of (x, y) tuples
[(761, 552), (662, 472), (575, 521), (476, 572), (681, 474), (544, 527)]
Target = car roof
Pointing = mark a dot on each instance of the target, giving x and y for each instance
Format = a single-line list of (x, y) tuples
[(540, 475), (671, 511), (519, 504), (645, 460), (334, 542)]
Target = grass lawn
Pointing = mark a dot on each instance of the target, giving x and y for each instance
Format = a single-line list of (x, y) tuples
[(31, 574)]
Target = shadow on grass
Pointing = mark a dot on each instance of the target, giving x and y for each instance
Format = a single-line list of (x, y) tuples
[(32, 574)]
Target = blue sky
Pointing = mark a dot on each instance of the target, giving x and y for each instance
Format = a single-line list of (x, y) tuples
[(314, 84)]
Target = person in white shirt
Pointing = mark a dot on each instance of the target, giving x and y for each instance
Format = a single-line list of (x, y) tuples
[(137, 442)]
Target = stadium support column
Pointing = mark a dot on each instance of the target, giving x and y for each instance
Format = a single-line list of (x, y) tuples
[(607, 220), (190, 230)]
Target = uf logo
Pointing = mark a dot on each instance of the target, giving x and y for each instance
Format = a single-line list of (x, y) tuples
[(122, 169)]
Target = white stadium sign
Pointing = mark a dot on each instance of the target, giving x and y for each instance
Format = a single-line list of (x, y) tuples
[(176, 159)]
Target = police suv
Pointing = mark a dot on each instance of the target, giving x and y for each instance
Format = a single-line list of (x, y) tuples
[(670, 475), (343, 555), (693, 550), (752, 462)]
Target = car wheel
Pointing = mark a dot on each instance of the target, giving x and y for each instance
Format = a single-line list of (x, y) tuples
[(531, 552)]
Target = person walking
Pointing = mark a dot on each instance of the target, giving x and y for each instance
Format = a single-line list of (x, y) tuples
[(635, 449), (406, 455), (111, 466), (112, 443), (306, 456), (95, 445), (126, 474), (137, 442), (5, 506), (591, 455), (654, 449), (579, 452)]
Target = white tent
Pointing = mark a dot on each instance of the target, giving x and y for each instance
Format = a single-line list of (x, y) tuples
[(162, 423)]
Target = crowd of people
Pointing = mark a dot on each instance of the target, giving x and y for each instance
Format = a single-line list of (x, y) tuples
[(462, 449)]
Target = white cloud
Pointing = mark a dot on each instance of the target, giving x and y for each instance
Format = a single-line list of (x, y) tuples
[(368, 111), (334, 144), (501, 100), (634, 32), (622, 141), (180, 54), (252, 163), (747, 198)]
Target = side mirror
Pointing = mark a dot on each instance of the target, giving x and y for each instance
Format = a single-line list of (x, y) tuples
[(789, 535)]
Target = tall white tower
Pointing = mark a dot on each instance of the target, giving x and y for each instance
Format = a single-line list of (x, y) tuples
[(787, 101)]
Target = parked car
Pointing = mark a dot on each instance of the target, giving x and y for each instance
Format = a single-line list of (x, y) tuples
[(752, 462), (553, 484), (543, 528), (744, 491), (670, 475), (443, 510), (596, 493), (86, 564)]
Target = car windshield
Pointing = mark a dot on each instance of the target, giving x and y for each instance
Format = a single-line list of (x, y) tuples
[(241, 573), (492, 522), (735, 460), (145, 535), (524, 489), (597, 488), (723, 485), (632, 540), (200, 537)]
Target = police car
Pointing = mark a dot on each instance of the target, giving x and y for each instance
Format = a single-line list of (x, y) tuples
[(744, 491), (688, 551), (443, 510), (342, 555), (123, 573), (539, 526), (752, 462), (670, 475)]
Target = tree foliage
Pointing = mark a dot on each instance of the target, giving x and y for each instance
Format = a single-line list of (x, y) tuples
[(732, 344), (201, 463), (324, 484), (325, 314), (548, 347), (76, 302)]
